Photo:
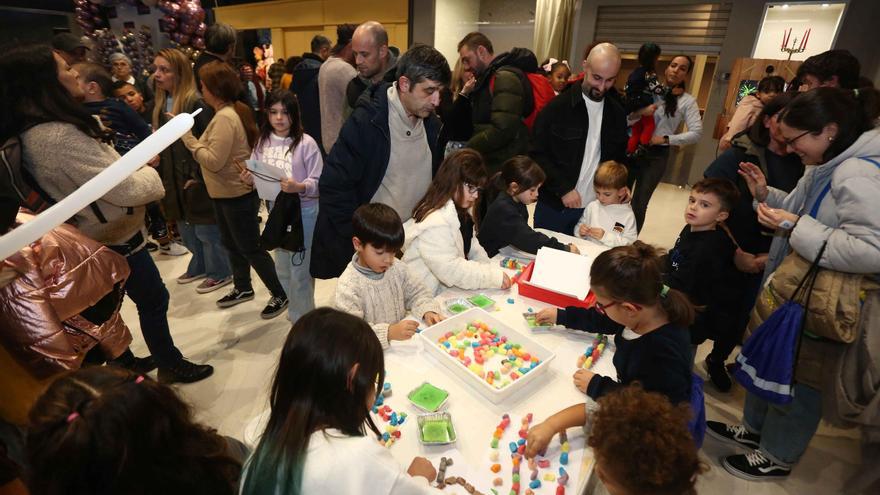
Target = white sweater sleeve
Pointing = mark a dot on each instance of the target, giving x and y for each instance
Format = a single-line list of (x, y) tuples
[(613, 238), (449, 265), (588, 218)]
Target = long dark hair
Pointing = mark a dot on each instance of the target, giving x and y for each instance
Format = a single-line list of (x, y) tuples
[(291, 105), (854, 112), (223, 82), (31, 94), (634, 274), (106, 430), (758, 132), (522, 170), (313, 390), (670, 100), (465, 165)]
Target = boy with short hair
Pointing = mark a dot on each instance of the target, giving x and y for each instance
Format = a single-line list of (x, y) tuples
[(701, 265), (132, 97), (127, 126), (609, 219), (378, 287)]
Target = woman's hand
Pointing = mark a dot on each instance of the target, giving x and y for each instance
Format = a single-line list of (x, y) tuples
[(468, 86), (582, 379), (658, 141), (775, 218), (755, 179), (546, 316), (246, 176), (291, 186)]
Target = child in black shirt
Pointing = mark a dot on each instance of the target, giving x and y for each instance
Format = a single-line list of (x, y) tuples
[(702, 266)]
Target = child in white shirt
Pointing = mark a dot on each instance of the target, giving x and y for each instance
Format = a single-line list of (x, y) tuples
[(609, 219), (375, 285)]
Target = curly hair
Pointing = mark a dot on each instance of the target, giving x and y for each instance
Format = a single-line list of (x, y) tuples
[(642, 442), (105, 430)]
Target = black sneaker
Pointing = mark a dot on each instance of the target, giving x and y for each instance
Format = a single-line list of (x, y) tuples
[(138, 365), (185, 372), (276, 306), (733, 434), (718, 374), (151, 246), (754, 467), (234, 297)]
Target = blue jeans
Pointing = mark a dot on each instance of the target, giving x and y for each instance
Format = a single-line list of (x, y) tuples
[(293, 270), (786, 430), (208, 254), (145, 287), (562, 221)]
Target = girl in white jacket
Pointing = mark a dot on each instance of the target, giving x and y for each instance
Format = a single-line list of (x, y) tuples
[(441, 246)]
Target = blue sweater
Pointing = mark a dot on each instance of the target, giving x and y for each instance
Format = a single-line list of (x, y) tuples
[(660, 360), (129, 129)]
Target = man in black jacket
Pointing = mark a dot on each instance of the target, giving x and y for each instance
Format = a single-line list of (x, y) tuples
[(374, 60), (573, 134), (386, 152), (305, 87)]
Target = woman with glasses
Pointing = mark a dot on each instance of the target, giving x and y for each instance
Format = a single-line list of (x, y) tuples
[(834, 205), (441, 246)]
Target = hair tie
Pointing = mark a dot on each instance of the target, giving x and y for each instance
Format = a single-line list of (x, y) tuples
[(139, 379), (856, 93), (72, 416), (664, 291)]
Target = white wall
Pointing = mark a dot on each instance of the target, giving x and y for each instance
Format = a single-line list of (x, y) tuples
[(508, 23), (822, 22), (453, 20)]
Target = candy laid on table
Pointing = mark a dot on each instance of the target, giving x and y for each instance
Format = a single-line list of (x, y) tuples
[(532, 322)]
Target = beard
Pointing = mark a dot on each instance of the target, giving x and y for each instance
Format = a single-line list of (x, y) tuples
[(593, 93)]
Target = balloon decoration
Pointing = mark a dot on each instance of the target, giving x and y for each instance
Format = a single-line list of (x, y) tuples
[(184, 23)]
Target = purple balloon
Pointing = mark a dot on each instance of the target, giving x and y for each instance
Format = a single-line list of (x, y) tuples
[(184, 39), (199, 42), (170, 23), (175, 9), (200, 30), (188, 28)]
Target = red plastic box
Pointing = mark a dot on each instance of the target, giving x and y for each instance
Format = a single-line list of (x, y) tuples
[(526, 289)]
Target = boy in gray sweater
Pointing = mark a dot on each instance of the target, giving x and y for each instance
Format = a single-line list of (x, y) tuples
[(375, 285)]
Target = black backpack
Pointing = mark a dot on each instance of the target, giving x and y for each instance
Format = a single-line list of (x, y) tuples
[(16, 182)]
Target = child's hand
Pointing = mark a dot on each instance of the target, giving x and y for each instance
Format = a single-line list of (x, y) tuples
[(748, 262), (505, 282), (573, 249), (422, 467), (432, 318), (597, 233), (402, 330), (538, 439), (583, 231), (582, 379), (246, 177), (545, 316), (291, 186)]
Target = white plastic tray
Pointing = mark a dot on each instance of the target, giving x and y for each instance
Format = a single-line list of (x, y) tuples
[(458, 322)]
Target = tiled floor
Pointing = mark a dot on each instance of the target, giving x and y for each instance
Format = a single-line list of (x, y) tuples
[(244, 350)]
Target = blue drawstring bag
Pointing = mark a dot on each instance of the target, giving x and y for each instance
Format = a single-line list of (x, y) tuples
[(697, 423), (766, 363)]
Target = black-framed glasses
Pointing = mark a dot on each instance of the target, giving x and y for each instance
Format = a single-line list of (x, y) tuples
[(789, 142), (472, 189)]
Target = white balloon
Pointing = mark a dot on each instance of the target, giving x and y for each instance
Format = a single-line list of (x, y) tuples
[(97, 187)]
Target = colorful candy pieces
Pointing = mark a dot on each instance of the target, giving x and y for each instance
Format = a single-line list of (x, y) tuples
[(484, 343), (593, 352)]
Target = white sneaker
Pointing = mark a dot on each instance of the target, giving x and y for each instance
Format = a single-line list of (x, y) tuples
[(173, 249)]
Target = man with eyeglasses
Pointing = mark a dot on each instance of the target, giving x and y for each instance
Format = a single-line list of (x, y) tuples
[(386, 153)]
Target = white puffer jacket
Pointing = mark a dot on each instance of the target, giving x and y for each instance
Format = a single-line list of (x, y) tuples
[(434, 253)]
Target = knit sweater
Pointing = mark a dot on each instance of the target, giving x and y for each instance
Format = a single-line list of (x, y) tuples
[(223, 142), (383, 301), (333, 79), (62, 158)]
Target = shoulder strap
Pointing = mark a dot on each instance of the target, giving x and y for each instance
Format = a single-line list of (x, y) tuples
[(815, 209)]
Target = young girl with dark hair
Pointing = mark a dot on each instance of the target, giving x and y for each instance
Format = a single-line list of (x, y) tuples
[(441, 247), (648, 319), (506, 220), (103, 430), (641, 87), (284, 145), (63, 147), (749, 107), (320, 437), (221, 152)]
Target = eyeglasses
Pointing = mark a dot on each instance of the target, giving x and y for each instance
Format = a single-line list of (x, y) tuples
[(602, 307), (472, 189), (789, 142)]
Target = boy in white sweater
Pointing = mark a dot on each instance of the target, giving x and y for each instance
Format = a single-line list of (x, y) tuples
[(375, 285), (609, 219)]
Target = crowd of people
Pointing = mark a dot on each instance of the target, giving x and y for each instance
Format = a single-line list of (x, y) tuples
[(403, 175)]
